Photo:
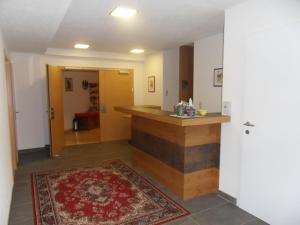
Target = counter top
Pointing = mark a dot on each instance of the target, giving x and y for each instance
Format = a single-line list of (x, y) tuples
[(164, 116)]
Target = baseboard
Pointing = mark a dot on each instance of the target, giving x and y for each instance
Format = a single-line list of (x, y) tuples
[(30, 150), (227, 197)]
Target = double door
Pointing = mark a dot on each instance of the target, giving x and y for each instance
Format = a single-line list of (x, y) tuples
[(115, 89)]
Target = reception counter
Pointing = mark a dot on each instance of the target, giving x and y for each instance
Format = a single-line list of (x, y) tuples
[(183, 154)]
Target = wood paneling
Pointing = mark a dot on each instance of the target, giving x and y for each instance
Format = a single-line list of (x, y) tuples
[(184, 159), (164, 116), (201, 182), (183, 136), (170, 177), (186, 72), (115, 90), (56, 109), (169, 132), (200, 135), (185, 185)]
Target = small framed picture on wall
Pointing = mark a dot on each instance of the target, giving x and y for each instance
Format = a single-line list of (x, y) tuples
[(218, 77), (151, 84), (68, 84)]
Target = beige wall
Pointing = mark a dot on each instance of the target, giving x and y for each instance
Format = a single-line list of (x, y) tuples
[(6, 171), (77, 100), (154, 67), (208, 55), (31, 91), (170, 78)]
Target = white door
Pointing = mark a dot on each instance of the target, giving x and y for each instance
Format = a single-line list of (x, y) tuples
[(270, 160)]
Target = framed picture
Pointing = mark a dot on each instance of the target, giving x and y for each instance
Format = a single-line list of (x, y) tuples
[(68, 84), (218, 77), (151, 84)]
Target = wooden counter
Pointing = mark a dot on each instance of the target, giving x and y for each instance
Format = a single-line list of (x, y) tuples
[(164, 116), (182, 153)]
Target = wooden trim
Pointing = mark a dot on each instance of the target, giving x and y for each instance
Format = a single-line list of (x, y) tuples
[(11, 112)]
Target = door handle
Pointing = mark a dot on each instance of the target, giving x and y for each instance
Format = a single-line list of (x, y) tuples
[(248, 124)]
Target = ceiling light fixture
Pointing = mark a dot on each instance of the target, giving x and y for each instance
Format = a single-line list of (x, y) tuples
[(123, 12), (81, 46), (137, 51)]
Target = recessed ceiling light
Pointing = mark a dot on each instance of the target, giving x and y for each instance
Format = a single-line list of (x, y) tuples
[(137, 51), (123, 12), (81, 46)]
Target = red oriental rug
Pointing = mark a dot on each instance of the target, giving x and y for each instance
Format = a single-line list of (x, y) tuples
[(110, 194)]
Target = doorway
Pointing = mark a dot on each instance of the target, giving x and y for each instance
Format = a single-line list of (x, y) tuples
[(81, 106), (72, 125)]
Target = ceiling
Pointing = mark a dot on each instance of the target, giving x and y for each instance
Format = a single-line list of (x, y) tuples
[(36, 25)]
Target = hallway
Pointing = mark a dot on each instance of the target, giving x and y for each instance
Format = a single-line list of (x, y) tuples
[(207, 210)]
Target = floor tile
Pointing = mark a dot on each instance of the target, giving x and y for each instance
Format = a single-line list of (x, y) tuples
[(202, 203), (256, 222), (183, 221), (206, 210), (227, 214)]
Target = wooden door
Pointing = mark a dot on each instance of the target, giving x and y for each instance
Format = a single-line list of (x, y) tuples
[(186, 72), (11, 113), (116, 89), (56, 110), (270, 187)]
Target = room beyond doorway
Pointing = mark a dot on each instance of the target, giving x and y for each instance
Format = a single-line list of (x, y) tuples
[(81, 107)]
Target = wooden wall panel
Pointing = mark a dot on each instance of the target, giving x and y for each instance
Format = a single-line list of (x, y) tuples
[(183, 136), (184, 185), (200, 183), (169, 132), (168, 176), (201, 135)]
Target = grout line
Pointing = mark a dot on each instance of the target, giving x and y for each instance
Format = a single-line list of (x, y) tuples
[(205, 210), (193, 219), (248, 221)]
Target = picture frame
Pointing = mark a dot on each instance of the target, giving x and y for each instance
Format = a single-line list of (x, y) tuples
[(218, 77), (151, 84), (68, 84)]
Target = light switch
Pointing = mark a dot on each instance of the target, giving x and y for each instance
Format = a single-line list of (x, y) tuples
[(226, 108)]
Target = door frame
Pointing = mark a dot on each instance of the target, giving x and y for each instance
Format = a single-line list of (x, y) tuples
[(11, 111), (79, 68)]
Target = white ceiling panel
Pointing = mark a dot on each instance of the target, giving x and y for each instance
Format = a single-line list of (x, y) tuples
[(29, 25), (34, 25)]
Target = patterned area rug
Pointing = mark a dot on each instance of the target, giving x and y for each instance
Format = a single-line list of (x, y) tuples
[(110, 194)]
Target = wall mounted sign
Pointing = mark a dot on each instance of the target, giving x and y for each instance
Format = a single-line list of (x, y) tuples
[(218, 77), (68, 84), (151, 84)]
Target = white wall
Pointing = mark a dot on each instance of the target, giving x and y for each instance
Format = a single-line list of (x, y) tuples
[(170, 78), (241, 22), (31, 91), (77, 100), (208, 55), (154, 67), (6, 171)]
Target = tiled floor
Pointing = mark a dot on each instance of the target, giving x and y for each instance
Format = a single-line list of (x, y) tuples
[(206, 210), (82, 137)]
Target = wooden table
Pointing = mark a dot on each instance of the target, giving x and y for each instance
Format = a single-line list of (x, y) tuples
[(182, 153)]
